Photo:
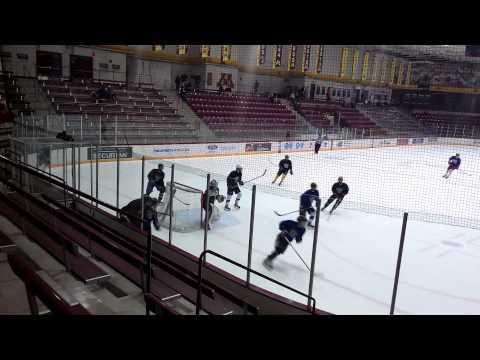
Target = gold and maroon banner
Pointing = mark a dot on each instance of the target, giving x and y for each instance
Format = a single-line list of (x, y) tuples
[(277, 56), (307, 49), (343, 62), (409, 71), (158, 47), (205, 51), (319, 67), (400, 74), (356, 56), (181, 49), (392, 72), (292, 57), (226, 52), (262, 53), (383, 73), (364, 74), (374, 68)]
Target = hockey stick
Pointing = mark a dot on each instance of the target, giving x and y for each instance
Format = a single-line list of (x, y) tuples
[(258, 177), (287, 213), (184, 203), (304, 263)]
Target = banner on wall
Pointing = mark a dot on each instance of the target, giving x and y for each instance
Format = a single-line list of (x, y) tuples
[(105, 153), (363, 77), (306, 57), (343, 62), (402, 141), (277, 56), (319, 66), (181, 49), (258, 147), (292, 58), (262, 53), (356, 56), (226, 52), (205, 51), (374, 68)]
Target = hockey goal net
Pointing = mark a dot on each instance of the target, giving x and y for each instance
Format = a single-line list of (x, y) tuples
[(187, 212)]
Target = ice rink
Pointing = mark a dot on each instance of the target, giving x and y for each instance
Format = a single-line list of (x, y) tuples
[(358, 245)]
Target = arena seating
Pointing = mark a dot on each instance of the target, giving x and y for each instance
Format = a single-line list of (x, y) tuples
[(229, 113), (443, 119), (316, 113), (136, 111)]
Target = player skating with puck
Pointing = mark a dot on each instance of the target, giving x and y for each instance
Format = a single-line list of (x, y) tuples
[(290, 230)]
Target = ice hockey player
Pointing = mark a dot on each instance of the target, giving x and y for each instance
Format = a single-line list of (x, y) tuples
[(233, 180), (284, 166), (453, 164), (134, 213), (213, 194), (290, 230), (306, 200), (155, 179), (339, 189)]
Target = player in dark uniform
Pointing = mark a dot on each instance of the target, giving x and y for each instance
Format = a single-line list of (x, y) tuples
[(155, 179), (306, 200), (284, 166), (134, 213), (209, 200), (339, 189), (453, 164), (233, 180), (290, 230)]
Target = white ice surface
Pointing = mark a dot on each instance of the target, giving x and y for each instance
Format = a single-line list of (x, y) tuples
[(356, 254)]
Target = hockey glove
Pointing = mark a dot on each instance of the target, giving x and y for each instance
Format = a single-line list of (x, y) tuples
[(299, 240), (291, 172), (241, 182)]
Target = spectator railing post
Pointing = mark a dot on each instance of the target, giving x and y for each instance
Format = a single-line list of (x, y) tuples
[(96, 175), (118, 181), (399, 262), (250, 235), (78, 166), (100, 130), (64, 123), (81, 128), (314, 251), (50, 160), (91, 173), (207, 213), (116, 129), (170, 207), (142, 190)]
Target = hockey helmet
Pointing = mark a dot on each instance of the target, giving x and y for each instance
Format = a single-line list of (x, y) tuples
[(238, 167), (160, 166), (302, 219), (313, 185), (287, 157), (457, 154), (213, 183), (340, 179)]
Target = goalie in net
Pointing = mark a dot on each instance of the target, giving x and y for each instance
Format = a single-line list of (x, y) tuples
[(188, 207), (209, 200)]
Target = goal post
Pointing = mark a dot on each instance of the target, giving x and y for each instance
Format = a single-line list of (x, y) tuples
[(187, 212)]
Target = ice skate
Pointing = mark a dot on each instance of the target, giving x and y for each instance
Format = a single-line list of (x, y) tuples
[(227, 208), (236, 205), (311, 225), (268, 264)]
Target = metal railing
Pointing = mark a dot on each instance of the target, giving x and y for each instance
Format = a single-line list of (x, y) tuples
[(201, 263)]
